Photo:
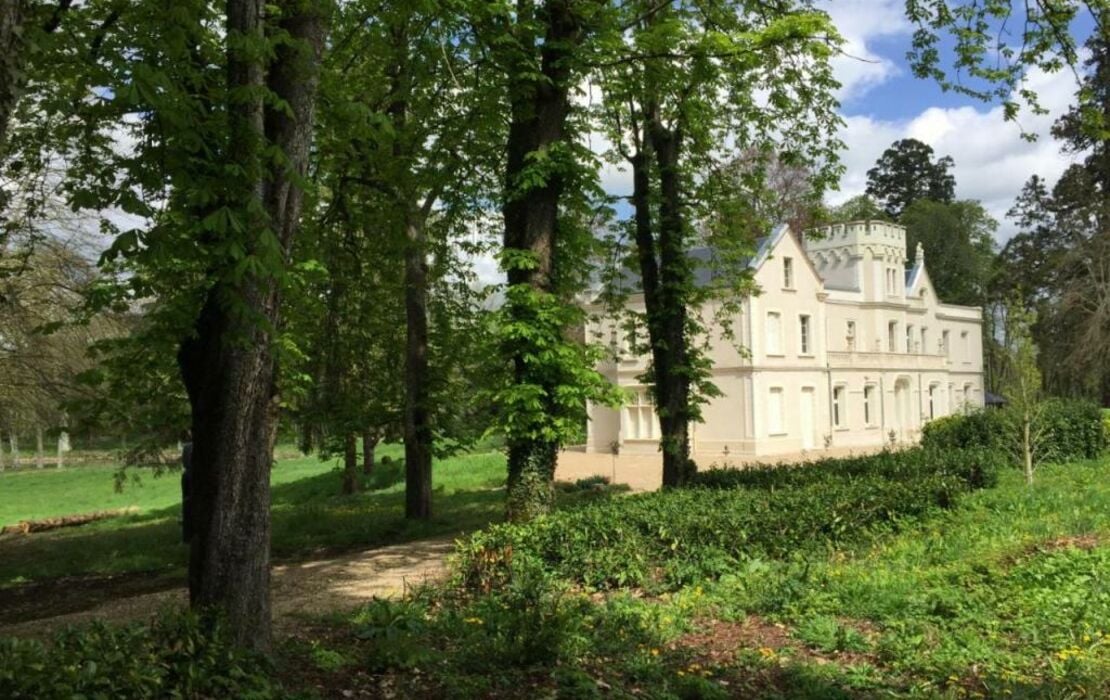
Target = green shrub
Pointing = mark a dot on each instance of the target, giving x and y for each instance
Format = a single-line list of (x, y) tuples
[(176, 656), (1072, 430), (977, 467), (986, 429), (667, 539)]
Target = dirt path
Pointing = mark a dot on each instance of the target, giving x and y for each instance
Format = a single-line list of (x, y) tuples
[(299, 589)]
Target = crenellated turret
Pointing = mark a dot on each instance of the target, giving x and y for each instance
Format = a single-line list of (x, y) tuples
[(865, 256)]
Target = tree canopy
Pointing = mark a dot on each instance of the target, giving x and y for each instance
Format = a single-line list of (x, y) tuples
[(907, 172)]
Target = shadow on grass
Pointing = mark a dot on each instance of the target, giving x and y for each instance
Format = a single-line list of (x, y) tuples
[(304, 524)]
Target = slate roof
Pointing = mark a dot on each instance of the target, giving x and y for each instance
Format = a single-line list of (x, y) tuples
[(703, 257)]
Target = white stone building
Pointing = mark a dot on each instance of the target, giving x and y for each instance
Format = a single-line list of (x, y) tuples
[(845, 348)]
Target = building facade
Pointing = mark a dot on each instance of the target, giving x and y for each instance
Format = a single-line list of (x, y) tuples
[(844, 347)]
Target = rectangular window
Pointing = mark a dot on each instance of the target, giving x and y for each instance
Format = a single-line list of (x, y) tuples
[(965, 346), (851, 332), (788, 273), (869, 404), (774, 411), (944, 346), (774, 333), (932, 401), (803, 335), (891, 334), (838, 405), (909, 338), (925, 341), (640, 413)]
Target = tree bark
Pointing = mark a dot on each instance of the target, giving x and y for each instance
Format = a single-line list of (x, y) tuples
[(351, 483), (665, 278), (672, 381), (539, 108), (369, 445), (40, 456), (417, 423), (227, 364)]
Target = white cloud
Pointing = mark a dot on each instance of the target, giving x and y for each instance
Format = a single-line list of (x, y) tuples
[(993, 161), (860, 68)]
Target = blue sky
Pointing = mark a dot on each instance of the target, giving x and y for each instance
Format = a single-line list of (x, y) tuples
[(882, 102)]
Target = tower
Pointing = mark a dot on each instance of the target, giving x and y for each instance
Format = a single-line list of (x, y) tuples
[(864, 256)]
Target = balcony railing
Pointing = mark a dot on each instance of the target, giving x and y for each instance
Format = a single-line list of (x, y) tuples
[(892, 360)]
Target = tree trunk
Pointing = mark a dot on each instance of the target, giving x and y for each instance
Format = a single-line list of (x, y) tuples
[(11, 64), (418, 429), (13, 441), (227, 364), (676, 279), (369, 444), (40, 456), (1027, 448), (63, 445), (539, 107), (351, 483), (665, 280)]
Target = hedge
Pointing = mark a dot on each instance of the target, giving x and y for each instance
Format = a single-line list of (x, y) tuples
[(1073, 430), (973, 466), (667, 539)]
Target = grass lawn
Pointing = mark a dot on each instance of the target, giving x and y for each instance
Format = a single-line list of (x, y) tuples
[(31, 494), (1006, 595), (308, 514)]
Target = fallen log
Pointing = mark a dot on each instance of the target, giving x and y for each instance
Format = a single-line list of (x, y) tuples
[(26, 527)]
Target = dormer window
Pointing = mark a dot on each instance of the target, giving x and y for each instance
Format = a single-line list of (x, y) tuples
[(788, 273)]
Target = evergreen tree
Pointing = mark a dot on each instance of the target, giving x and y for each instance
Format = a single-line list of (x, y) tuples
[(907, 172)]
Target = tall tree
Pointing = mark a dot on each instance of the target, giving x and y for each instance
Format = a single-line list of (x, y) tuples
[(407, 159), (219, 108), (227, 364), (960, 237), (539, 50), (907, 172), (1058, 261), (680, 107)]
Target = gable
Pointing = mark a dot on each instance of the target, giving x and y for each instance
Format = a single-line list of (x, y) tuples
[(780, 244)]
